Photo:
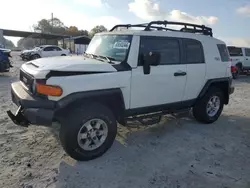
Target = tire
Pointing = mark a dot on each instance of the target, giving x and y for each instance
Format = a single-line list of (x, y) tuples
[(235, 75), (200, 109), (63, 55), (73, 124), (239, 69), (36, 56)]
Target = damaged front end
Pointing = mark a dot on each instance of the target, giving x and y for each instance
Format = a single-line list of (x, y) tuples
[(18, 118)]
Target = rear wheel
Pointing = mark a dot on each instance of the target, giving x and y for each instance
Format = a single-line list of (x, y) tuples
[(88, 132), (239, 69), (208, 109), (235, 74)]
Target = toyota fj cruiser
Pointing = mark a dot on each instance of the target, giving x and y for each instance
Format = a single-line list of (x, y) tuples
[(124, 74)]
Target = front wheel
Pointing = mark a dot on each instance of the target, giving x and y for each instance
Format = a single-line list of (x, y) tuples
[(88, 132), (208, 109), (36, 56)]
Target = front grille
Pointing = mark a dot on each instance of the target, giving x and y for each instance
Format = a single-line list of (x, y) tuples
[(26, 79)]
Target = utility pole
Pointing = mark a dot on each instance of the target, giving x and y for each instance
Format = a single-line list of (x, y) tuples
[(52, 22)]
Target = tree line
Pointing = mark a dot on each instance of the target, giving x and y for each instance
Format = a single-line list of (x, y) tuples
[(56, 26)]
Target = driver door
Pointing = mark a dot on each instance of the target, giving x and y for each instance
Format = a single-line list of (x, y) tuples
[(166, 82)]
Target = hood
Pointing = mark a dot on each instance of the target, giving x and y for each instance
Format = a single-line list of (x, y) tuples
[(27, 51), (72, 64), (5, 50)]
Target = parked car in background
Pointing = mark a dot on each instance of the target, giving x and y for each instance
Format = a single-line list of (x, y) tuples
[(25, 53), (5, 63), (44, 51), (240, 57)]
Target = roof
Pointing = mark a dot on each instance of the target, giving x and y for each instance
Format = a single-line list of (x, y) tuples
[(25, 34), (80, 39)]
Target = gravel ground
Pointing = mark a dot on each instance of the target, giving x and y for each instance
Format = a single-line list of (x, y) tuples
[(177, 153)]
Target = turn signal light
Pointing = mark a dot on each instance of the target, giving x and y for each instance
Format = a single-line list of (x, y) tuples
[(49, 90)]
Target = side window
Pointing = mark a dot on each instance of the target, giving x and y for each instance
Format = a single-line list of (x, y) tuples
[(247, 50), (224, 54), (47, 49), (167, 47), (57, 49), (194, 51)]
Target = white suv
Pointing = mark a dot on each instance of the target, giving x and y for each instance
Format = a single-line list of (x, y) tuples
[(128, 74), (44, 51), (240, 57)]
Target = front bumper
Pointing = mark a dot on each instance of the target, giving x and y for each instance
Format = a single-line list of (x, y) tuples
[(25, 56), (31, 110)]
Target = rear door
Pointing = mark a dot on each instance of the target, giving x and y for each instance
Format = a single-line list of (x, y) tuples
[(247, 57), (47, 51), (196, 68), (57, 51)]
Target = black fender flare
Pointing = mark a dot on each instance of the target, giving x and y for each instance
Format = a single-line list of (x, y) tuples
[(222, 83), (112, 98)]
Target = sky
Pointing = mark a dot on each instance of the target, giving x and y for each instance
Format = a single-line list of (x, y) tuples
[(230, 19)]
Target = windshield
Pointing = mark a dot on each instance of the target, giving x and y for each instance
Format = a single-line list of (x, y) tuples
[(112, 46), (234, 51)]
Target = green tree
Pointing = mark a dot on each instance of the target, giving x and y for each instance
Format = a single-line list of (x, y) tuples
[(8, 44), (97, 29), (28, 43), (73, 31), (54, 26)]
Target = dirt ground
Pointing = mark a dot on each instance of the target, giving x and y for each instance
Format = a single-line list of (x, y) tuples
[(177, 153)]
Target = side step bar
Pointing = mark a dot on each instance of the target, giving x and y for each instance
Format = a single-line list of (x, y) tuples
[(152, 118)]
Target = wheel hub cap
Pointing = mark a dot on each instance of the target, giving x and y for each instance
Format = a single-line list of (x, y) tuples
[(92, 134), (213, 106)]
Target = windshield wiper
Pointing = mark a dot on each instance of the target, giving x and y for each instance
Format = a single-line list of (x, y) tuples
[(93, 56), (101, 57), (109, 59)]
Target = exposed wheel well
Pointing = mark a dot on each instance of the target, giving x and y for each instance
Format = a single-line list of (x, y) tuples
[(224, 88), (36, 55), (114, 101), (223, 85), (239, 64)]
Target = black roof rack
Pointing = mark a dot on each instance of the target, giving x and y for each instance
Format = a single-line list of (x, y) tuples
[(187, 27)]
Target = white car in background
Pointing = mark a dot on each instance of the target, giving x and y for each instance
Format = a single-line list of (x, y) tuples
[(44, 51), (240, 57)]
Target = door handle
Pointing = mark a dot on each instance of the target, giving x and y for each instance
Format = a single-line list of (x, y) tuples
[(180, 74)]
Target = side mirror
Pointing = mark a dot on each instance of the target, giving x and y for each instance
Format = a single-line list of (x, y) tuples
[(151, 59)]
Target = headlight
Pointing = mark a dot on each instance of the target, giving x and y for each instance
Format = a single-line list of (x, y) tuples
[(40, 87)]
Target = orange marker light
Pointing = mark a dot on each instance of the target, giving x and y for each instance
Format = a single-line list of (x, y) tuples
[(49, 90)]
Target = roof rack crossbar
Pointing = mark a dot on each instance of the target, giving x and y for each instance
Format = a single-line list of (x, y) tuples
[(187, 27)]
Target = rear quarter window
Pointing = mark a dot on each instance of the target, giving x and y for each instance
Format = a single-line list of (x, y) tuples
[(224, 54), (247, 51), (193, 51)]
